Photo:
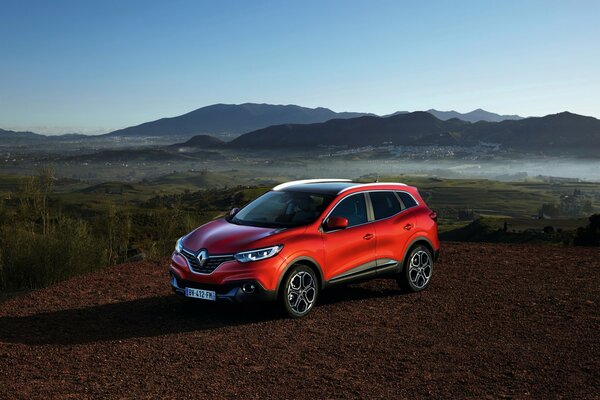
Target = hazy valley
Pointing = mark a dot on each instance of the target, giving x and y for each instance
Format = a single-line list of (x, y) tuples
[(349, 145), (130, 193)]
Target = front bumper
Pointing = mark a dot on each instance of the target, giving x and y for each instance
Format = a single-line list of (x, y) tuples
[(233, 292)]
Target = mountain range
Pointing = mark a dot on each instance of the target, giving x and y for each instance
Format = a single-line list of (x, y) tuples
[(361, 131), (562, 131), (7, 134), (26, 136), (235, 119), (289, 126), (557, 132), (230, 120), (473, 116)]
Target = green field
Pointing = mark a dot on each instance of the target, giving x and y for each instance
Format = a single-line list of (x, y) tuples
[(493, 198), (73, 226), (484, 197)]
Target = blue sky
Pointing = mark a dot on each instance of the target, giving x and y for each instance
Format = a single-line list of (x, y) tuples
[(93, 66)]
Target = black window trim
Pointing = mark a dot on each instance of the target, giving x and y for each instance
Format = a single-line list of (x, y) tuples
[(399, 200), (369, 205), (402, 202)]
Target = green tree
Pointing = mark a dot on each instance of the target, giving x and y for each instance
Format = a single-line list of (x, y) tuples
[(33, 196), (590, 235)]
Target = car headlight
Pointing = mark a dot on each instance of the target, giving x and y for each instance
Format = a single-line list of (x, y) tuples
[(179, 245), (258, 254)]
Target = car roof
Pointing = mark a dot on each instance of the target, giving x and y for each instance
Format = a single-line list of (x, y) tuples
[(329, 186)]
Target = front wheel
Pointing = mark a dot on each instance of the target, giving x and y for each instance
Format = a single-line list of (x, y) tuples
[(417, 271), (300, 291)]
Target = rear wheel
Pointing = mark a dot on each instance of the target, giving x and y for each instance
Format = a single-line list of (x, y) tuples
[(300, 291), (417, 271)]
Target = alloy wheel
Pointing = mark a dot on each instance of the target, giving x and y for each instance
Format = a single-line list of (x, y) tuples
[(301, 292), (420, 269)]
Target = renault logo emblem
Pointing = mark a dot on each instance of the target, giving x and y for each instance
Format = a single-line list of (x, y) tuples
[(202, 257)]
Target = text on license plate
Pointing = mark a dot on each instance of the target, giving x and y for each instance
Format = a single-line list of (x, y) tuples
[(201, 294)]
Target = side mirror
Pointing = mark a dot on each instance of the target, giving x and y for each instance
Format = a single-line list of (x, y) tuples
[(233, 211), (335, 222)]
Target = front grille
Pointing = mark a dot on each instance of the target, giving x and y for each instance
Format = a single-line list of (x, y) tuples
[(212, 262)]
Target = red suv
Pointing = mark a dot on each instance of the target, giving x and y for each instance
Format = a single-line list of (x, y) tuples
[(303, 236)]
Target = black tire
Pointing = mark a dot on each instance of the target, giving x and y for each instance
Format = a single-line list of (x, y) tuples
[(305, 280), (417, 271)]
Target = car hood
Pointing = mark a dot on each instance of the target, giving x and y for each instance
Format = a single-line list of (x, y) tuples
[(223, 237)]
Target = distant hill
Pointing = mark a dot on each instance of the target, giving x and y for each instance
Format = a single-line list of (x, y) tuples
[(18, 138), (473, 116), (397, 129), (565, 131), (236, 119), (231, 119), (5, 134), (556, 132), (141, 155), (202, 141)]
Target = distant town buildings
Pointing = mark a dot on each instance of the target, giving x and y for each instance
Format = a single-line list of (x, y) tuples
[(576, 204), (477, 152), (557, 179)]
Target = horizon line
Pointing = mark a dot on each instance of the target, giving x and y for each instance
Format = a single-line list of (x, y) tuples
[(65, 130)]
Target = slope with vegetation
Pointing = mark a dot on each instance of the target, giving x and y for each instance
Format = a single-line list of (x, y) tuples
[(231, 119), (397, 129), (562, 133), (51, 229), (472, 116)]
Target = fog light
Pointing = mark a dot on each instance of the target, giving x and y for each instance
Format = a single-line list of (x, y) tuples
[(248, 288)]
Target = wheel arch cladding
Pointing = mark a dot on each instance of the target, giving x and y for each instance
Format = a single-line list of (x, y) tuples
[(419, 241), (306, 261)]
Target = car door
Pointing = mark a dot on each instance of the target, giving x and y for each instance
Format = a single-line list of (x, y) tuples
[(350, 252), (393, 224)]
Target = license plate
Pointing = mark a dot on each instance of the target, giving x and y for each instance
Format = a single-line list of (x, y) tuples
[(200, 294)]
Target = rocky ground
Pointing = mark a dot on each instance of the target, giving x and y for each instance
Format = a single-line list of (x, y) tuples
[(497, 321)]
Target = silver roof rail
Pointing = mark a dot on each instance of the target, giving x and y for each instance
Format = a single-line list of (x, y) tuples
[(372, 184), (292, 183)]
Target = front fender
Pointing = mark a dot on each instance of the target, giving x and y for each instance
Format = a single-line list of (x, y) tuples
[(292, 260)]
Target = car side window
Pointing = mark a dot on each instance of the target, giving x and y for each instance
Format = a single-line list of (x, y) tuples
[(385, 204), (407, 200), (353, 208)]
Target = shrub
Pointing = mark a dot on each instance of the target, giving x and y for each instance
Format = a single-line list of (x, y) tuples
[(43, 242), (31, 260), (590, 235), (549, 229)]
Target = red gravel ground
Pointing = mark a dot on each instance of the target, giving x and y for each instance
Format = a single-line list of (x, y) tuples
[(497, 321)]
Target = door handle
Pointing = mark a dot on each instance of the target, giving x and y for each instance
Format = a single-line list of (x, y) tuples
[(408, 227), (368, 236)]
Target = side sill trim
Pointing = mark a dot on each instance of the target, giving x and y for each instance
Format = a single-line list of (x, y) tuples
[(365, 269)]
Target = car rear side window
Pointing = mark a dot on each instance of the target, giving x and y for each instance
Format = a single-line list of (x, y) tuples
[(385, 204), (407, 200), (353, 208)]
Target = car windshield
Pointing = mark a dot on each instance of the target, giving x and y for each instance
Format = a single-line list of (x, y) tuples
[(283, 209)]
